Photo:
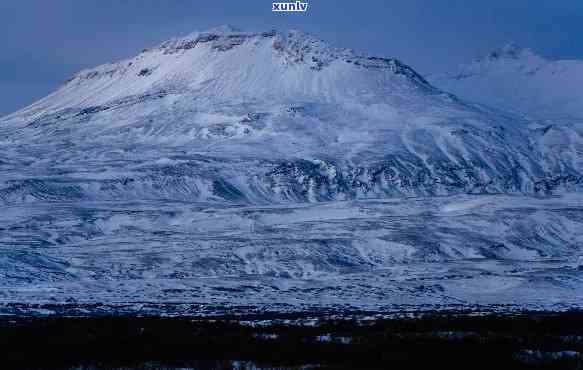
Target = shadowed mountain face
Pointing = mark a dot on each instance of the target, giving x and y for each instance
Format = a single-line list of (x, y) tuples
[(199, 169)]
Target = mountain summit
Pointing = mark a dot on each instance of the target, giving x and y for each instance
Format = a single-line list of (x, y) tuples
[(510, 51), (226, 64)]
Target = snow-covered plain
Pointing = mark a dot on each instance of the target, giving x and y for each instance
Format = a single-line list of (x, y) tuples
[(369, 254), (271, 170)]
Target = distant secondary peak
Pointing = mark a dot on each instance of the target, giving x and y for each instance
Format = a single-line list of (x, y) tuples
[(510, 51)]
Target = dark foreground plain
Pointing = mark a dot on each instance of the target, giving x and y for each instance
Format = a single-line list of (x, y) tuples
[(435, 340)]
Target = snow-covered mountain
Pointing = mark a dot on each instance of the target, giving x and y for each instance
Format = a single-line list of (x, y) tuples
[(229, 167), (518, 80), (264, 117)]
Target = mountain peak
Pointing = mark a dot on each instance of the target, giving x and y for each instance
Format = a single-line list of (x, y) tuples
[(510, 51), (223, 30), (224, 63)]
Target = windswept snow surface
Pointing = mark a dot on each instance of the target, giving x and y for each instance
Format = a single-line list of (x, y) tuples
[(271, 170), (422, 253)]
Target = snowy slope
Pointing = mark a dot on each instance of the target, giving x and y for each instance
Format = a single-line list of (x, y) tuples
[(264, 117), (517, 79), (225, 65), (274, 170)]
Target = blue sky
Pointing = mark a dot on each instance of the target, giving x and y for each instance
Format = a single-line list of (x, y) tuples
[(45, 42)]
